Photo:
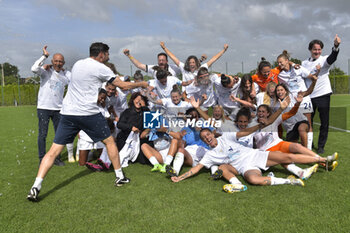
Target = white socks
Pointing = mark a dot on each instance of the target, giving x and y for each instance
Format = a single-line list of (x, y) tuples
[(153, 160), (168, 159), (70, 148), (214, 168), (37, 183), (295, 169), (278, 181), (310, 136), (234, 180), (178, 162), (119, 173)]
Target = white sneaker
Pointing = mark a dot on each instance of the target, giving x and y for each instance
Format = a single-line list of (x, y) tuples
[(71, 159), (295, 181), (233, 188), (307, 172)]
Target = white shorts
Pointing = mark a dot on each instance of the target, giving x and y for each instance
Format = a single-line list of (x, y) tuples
[(256, 161), (196, 152), (86, 145), (306, 105), (164, 154)]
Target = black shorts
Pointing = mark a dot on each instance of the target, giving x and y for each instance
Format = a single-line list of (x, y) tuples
[(95, 126), (293, 135)]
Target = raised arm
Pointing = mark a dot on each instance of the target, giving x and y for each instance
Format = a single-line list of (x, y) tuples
[(295, 108), (242, 102), (196, 104), (134, 61), (39, 63), (335, 50), (283, 105), (217, 56), (190, 173), (170, 54)]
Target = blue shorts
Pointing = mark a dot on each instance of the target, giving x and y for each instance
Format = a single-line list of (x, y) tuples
[(95, 126)]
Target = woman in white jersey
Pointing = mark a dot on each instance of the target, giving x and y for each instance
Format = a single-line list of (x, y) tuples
[(190, 68), (247, 162), (294, 79)]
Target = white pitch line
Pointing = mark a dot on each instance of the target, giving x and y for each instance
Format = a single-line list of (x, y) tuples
[(332, 127)]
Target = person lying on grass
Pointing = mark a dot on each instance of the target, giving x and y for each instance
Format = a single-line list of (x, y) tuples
[(248, 162)]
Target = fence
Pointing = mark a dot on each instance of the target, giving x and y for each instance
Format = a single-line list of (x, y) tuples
[(26, 94)]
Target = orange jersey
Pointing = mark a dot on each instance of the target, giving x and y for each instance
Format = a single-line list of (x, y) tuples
[(262, 81)]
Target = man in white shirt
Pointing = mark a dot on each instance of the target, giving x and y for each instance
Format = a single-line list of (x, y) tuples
[(53, 80), (81, 112), (321, 95), (162, 63)]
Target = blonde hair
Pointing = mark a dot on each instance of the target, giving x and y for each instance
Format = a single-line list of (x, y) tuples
[(222, 111)]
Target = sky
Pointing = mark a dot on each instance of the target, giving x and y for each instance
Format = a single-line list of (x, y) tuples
[(252, 29)]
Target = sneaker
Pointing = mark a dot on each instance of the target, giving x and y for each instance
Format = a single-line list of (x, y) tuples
[(216, 175), (71, 159), (119, 182), (94, 167), (59, 162), (33, 194), (170, 171), (330, 165), (307, 172), (295, 181), (271, 174), (105, 166), (234, 188), (163, 168), (156, 168)]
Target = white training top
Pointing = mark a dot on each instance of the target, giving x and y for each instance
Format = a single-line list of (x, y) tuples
[(267, 137), (227, 151), (198, 91), (226, 126), (173, 69), (52, 85), (294, 79), (164, 91), (121, 102), (222, 94), (323, 84), (87, 77), (172, 109), (188, 75)]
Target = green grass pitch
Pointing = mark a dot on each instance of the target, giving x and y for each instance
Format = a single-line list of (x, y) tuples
[(73, 199)]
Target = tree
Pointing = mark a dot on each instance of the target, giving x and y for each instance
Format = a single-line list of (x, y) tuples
[(9, 69), (336, 71)]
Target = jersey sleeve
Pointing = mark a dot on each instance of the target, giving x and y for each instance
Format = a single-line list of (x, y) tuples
[(105, 73), (230, 136), (206, 160)]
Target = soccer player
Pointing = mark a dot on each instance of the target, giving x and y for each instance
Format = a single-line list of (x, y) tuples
[(246, 161), (321, 95), (162, 64), (80, 112), (53, 80)]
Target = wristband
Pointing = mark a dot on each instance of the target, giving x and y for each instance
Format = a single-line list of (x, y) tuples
[(46, 55)]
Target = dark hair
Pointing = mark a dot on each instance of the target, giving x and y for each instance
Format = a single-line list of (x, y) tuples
[(98, 47), (202, 130), (188, 111), (138, 75), (110, 81), (134, 96), (202, 70), (244, 111), (267, 107), (187, 63), (263, 63), (112, 67), (163, 54), (102, 91), (313, 42), (160, 72), (244, 79), (225, 80), (285, 88), (176, 89), (284, 54)]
